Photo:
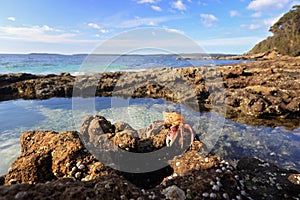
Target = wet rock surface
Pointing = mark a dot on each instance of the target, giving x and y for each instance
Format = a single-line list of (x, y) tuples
[(265, 180), (57, 165), (244, 92)]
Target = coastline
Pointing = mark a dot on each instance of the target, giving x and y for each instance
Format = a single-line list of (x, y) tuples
[(130, 119), (249, 92), (254, 91)]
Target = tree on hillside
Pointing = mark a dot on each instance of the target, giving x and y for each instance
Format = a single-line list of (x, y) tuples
[(286, 35)]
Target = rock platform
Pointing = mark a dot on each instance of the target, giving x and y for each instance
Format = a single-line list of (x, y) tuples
[(244, 92)]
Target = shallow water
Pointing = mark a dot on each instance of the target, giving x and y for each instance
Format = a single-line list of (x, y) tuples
[(226, 138)]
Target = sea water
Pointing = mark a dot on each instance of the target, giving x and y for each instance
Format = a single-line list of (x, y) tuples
[(74, 64), (232, 140)]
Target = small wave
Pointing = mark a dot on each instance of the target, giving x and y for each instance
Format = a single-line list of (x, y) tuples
[(133, 70), (78, 73), (121, 70)]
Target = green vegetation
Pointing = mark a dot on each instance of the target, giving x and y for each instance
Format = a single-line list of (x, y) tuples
[(286, 35)]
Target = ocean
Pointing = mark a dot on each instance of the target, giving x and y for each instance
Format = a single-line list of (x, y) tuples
[(230, 139), (74, 64)]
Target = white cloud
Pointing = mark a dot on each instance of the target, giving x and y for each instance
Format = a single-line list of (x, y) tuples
[(267, 4), (151, 21), (256, 15), (294, 3), (172, 30), (228, 44), (139, 22), (147, 1), (251, 26), (11, 19), (270, 21), (202, 3), (48, 28), (208, 19), (234, 13), (265, 23), (156, 8), (43, 34), (230, 41), (93, 25), (104, 31), (98, 27), (179, 5)]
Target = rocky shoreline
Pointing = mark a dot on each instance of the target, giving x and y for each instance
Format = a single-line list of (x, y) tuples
[(244, 92), (57, 165)]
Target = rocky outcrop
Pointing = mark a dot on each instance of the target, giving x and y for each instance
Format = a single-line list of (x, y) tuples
[(48, 155), (265, 89), (257, 89), (28, 86), (57, 165)]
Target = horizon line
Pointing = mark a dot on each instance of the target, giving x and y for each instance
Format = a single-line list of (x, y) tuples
[(118, 54)]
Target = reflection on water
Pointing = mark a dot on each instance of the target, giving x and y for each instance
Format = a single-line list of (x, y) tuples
[(233, 140)]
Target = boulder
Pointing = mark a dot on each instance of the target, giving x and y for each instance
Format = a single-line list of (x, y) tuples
[(48, 155)]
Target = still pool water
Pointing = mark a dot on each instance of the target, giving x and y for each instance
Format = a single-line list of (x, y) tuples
[(226, 138)]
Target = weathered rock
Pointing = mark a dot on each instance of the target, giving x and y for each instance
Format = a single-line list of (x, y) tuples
[(104, 187), (295, 179), (264, 180), (2, 180), (98, 131), (173, 192), (256, 89), (93, 128), (7, 79), (57, 165), (48, 155), (193, 160)]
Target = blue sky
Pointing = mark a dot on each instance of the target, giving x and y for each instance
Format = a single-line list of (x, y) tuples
[(74, 26)]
